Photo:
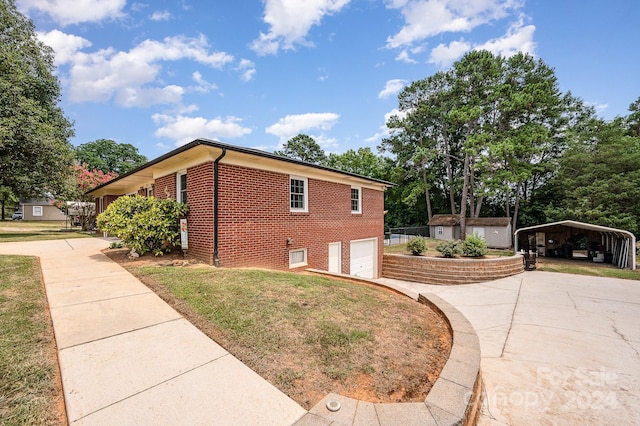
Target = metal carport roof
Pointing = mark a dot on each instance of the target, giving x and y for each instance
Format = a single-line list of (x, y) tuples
[(620, 233)]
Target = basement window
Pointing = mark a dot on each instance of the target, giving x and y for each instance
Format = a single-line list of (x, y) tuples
[(297, 258)]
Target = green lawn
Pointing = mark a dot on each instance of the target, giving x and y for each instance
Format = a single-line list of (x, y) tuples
[(311, 335), (20, 230), (29, 394)]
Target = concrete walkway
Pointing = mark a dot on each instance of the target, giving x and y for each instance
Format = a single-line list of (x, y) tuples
[(127, 358), (557, 349)]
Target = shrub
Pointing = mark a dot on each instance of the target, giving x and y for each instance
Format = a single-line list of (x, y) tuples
[(144, 223), (116, 245), (450, 248), (417, 246), (474, 246)]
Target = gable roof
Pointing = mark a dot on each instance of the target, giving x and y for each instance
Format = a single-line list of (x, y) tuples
[(454, 219), (180, 157)]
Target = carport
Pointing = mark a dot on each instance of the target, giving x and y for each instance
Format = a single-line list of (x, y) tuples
[(559, 239)]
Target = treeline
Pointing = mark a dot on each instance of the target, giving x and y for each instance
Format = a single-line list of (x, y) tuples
[(494, 136)]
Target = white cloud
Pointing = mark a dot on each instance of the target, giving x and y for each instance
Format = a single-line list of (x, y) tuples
[(384, 131), (67, 12), (392, 87), (160, 15), (427, 18), (184, 129), (146, 96), (519, 38), (403, 56), (290, 21), (203, 86), (292, 125), (443, 56), (65, 46), (247, 70), (130, 76)]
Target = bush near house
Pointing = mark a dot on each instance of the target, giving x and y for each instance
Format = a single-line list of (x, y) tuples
[(417, 246), (474, 246), (450, 248), (144, 223)]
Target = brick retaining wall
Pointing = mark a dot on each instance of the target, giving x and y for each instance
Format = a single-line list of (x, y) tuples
[(437, 270)]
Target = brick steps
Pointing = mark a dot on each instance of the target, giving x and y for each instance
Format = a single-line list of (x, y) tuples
[(432, 270)]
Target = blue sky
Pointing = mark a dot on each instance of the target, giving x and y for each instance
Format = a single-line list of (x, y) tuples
[(256, 73)]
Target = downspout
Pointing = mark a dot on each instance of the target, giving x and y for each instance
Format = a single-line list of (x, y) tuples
[(216, 260)]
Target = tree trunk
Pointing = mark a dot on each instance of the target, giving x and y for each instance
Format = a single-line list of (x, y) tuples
[(472, 190), (516, 208), (2, 201), (479, 206), (463, 200), (426, 194), (447, 162)]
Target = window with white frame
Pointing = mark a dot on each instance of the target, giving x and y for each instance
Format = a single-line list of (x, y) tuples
[(37, 211), (356, 199), (439, 230), (181, 186), (299, 194), (297, 258)]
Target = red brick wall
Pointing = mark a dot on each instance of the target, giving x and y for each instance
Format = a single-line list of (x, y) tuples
[(255, 221), (200, 216), (106, 200), (165, 187)]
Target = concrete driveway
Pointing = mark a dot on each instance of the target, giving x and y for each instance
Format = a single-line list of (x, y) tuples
[(556, 348)]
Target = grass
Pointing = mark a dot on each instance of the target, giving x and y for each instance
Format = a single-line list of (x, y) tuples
[(311, 335), (20, 230), (585, 268), (29, 391)]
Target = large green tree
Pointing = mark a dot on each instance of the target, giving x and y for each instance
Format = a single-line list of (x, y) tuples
[(35, 155), (478, 131), (303, 147), (361, 162), (109, 156), (598, 180)]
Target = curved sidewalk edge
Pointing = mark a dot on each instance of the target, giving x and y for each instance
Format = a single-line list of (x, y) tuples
[(454, 399)]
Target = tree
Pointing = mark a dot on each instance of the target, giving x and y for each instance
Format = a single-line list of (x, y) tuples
[(361, 162), (109, 156), (78, 203), (599, 178), (35, 154), (303, 147), (477, 132), (6, 196)]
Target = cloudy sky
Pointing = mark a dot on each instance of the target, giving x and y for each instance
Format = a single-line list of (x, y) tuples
[(256, 73)]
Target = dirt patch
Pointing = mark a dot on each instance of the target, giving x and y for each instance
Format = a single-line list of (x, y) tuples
[(389, 349)]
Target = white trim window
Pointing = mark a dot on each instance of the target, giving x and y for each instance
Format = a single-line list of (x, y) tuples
[(37, 211), (299, 194), (181, 187), (440, 230), (297, 258), (356, 199)]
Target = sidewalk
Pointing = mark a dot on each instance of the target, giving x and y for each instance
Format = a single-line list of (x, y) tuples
[(128, 358)]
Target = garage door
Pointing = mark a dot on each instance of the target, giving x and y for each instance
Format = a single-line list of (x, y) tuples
[(364, 256)]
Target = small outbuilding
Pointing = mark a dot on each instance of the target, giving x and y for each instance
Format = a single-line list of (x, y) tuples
[(496, 231), (597, 243), (43, 209)]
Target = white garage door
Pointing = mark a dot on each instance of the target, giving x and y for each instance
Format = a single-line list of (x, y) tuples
[(364, 256)]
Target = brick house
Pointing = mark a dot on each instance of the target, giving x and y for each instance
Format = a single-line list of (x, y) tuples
[(250, 208)]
